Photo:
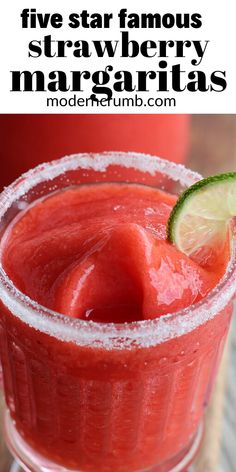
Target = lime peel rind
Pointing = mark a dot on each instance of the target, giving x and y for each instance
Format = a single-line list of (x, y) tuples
[(202, 212)]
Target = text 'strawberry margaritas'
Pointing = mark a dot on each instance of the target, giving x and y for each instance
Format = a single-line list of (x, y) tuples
[(110, 336)]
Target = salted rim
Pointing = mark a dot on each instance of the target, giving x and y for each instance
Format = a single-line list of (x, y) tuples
[(109, 335)]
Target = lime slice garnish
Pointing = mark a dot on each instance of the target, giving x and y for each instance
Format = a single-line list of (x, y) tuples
[(201, 215)]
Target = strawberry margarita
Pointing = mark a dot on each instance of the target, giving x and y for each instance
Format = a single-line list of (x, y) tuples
[(110, 336)]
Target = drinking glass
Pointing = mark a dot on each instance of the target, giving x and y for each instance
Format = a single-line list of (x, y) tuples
[(100, 397)]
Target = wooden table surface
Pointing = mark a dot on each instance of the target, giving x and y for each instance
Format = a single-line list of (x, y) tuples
[(212, 149)]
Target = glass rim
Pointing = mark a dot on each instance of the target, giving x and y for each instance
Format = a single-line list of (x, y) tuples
[(145, 333)]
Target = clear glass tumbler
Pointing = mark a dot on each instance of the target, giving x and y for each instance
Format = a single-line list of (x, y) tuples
[(84, 396)]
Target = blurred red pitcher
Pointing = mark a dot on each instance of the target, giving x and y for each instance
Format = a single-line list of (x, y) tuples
[(27, 140)]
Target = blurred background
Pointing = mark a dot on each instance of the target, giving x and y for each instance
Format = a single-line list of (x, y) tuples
[(27, 140), (206, 143)]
